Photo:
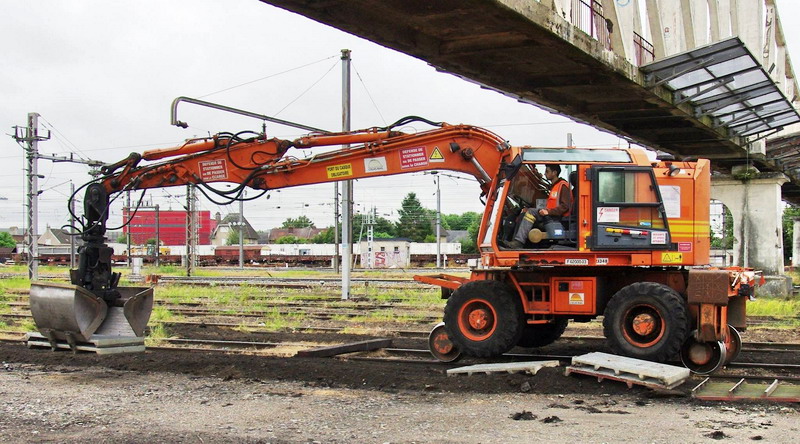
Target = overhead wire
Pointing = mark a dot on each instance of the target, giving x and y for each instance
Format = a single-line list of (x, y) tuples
[(268, 77), (364, 85), (307, 89)]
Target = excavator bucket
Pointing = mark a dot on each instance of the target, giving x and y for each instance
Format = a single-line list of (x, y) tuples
[(72, 314)]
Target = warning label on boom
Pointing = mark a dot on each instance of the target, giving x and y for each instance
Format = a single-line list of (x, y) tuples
[(337, 171), (211, 170), (413, 157), (436, 155)]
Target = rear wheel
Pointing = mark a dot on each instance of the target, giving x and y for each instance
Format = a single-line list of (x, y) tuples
[(440, 345), (703, 357), (646, 320), (539, 335), (484, 318), (733, 344)]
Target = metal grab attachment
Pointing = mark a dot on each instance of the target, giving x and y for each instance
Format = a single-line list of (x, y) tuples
[(72, 314)]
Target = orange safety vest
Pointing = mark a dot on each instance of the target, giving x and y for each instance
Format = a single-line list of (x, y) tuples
[(561, 186)]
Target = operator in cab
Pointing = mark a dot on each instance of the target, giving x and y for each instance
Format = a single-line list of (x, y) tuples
[(559, 202)]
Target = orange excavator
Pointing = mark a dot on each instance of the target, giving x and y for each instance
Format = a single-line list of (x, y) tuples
[(632, 248)]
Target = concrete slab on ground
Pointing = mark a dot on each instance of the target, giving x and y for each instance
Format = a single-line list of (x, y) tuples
[(99, 344), (628, 370), (532, 367)]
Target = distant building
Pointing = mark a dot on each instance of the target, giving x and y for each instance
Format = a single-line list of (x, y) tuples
[(16, 234), (301, 233), (54, 236), (223, 228), (456, 235), (386, 253), (171, 226)]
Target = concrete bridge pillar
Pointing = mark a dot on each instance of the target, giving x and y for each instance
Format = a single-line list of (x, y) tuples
[(757, 211), (625, 16)]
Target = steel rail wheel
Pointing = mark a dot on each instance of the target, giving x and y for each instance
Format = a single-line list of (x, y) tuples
[(484, 318), (703, 357), (646, 320), (733, 344), (539, 335), (440, 345)]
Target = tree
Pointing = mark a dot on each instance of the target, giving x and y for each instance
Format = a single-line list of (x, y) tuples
[(789, 214), (468, 245), (122, 239), (233, 237), (299, 222), (6, 240), (324, 237), (383, 228), (415, 222), (290, 240), (459, 221), (726, 241)]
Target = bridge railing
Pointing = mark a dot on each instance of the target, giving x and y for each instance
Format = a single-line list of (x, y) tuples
[(645, 52), (588, 16)]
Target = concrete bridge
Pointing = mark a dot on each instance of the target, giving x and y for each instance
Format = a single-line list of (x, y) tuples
[(695, 78)]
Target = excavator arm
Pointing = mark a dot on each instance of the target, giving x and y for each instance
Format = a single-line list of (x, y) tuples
[(255, 161)]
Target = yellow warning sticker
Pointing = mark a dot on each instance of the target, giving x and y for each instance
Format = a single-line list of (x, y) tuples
[(672, 258), (576, 299), (436, 155), (337, 171)]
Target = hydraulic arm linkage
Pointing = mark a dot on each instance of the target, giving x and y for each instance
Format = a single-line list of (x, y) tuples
[(253, 160)]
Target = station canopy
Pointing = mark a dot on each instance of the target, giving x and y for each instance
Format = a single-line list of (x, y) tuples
[(724, 81)]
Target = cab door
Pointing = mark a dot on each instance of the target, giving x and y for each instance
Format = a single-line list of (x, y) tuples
[(628, 210)]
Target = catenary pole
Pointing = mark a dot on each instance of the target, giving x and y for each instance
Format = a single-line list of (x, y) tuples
[(347, 187)]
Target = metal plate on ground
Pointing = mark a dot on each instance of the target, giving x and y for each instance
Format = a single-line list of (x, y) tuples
[(532, 367), (628, 370), (743, 390), (99, 344)]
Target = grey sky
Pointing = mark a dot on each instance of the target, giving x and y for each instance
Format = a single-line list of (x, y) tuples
[(103, 74)]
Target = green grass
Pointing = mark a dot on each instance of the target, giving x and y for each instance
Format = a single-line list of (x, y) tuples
[(14, 283), (156, 333), (764, 306), (3, 325), (4, 307), (161, 314), (274, 320), (26, 325)]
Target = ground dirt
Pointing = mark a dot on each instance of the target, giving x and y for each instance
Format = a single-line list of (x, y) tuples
[(163, 396)]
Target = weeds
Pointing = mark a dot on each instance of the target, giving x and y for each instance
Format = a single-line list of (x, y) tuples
[(161, 314), (156, 334), (274, 320), (773, 307)]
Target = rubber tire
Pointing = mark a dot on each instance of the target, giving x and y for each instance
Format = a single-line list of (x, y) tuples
[(539, 335), (509, 323), (672, 309)]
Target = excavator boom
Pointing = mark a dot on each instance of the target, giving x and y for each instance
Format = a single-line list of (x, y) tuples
[(250, 160)]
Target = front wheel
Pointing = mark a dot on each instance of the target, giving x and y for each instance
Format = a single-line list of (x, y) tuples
[(646, 320), (484, 318)]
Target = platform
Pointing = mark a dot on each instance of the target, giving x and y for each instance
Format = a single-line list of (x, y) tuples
[(628, 370), (506, 367)]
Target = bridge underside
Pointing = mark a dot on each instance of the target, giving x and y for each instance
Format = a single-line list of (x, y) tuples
[(525, 50)]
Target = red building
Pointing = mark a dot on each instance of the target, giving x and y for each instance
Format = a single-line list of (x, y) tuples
[(171, 227)]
